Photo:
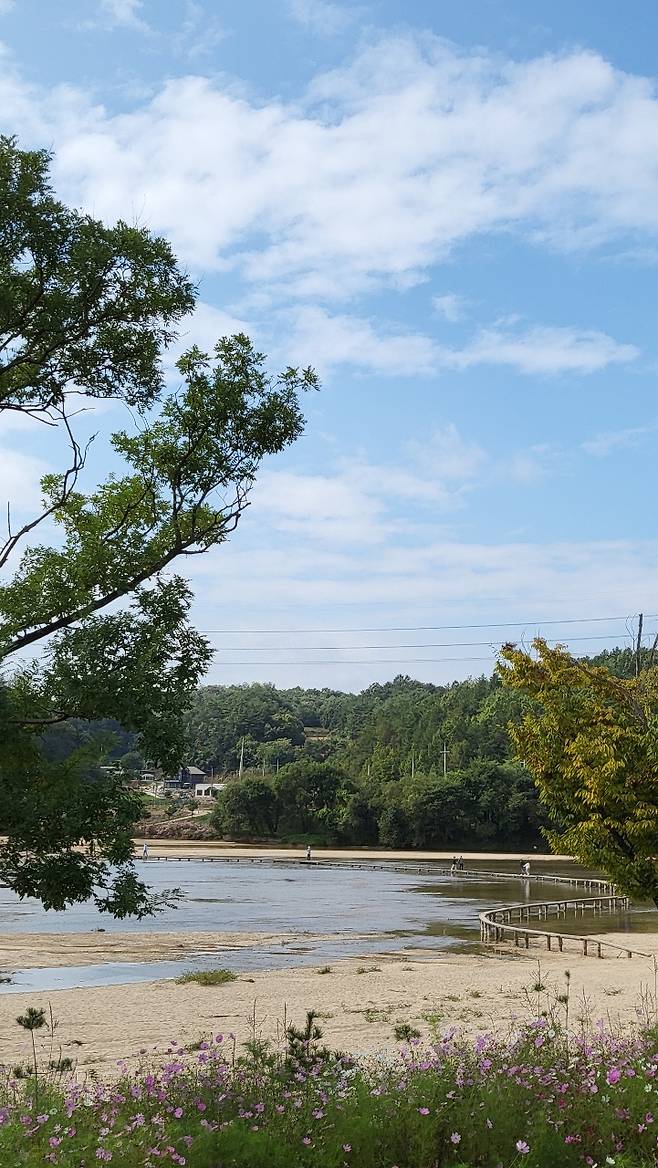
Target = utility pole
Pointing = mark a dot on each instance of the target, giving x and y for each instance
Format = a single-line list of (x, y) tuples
[(638, 647), (444, 752), (413, 764), (241, 759)]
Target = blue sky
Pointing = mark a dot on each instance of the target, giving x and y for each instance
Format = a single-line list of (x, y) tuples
[(452, 212)]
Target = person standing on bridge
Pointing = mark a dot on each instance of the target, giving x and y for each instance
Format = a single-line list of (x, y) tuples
[(145, 851), (308, 852)]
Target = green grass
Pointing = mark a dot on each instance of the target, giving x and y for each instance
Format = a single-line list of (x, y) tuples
[(207, 977)]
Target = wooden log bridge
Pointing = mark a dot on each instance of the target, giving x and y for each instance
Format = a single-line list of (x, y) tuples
[(511, 924)]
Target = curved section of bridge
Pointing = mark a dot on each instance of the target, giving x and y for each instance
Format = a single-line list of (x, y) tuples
[(497, 925)]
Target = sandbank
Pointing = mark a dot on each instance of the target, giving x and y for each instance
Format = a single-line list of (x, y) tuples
[(359, 1002)]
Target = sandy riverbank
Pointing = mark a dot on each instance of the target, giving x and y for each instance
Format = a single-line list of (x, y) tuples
[(201, 848), (34, 950), (360, 1001)]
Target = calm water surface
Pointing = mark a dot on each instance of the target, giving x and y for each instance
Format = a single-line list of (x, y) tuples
[(391, 909)]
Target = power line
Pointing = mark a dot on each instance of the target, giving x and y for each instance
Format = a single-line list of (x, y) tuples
[(584, 620), (338, 661), (406, 645)]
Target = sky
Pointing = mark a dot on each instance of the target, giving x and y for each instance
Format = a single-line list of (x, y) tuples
[(451, 211)]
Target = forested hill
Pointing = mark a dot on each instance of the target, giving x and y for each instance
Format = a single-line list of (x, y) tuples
[(368, 767), (405, 764), (402, 764)]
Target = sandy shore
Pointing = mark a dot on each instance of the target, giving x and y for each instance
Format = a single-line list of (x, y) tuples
[(201, 848), (359, 1001), (33, 950)]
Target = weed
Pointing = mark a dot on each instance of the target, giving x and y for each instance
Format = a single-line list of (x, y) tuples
[(404, 1032), (207, 977)]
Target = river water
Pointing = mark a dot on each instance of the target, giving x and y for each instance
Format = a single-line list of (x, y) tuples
[(365, 911)]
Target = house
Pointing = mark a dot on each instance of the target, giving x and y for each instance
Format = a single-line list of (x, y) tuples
[(187, 776), (207, 790)]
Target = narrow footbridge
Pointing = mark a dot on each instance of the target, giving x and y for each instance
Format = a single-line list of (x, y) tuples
[(510, 923)]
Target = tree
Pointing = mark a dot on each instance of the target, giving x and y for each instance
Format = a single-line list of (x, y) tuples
[(307, 793), (245, 808), (591, 742), (87, 309)]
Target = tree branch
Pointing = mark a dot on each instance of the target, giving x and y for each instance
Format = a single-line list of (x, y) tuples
[(69, 480), (228, 525)]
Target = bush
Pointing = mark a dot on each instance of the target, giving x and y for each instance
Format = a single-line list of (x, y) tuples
[(207, 977)]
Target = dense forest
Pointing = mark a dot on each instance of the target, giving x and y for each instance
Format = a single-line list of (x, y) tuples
[(404, 764)]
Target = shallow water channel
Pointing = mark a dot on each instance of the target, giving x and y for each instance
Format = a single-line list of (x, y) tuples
[(364, 910)]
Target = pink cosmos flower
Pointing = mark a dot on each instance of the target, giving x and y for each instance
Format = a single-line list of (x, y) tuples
[(455, 1138), (423, 1110), (522, 1147), (613, 1076)]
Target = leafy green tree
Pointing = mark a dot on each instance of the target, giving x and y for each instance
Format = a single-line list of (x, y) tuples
[(246, 809), (591, 743), (308, 793), (280, 750), (90, 626), (132, 763), (394, 827)]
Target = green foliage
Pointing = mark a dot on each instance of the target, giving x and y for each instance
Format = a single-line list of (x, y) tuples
[(349, 779), (91, 308), (81, 304), (222, 716), (308, 794), (591, 743), (404, 1032), (246, 809), (207, 977)]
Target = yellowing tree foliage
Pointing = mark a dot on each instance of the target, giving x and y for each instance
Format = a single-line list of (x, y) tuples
[(590, 740)]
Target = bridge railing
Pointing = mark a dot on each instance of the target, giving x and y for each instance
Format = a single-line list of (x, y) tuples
[(496, 925)]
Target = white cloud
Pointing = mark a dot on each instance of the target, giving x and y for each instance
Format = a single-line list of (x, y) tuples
[(384, 167), (442, 581), (450, 306), (544, 350), (321, 16), (358, 503), (206, 325), (124, 13), (331, 340), (331, 509), (200, 32), (447, 455), (532, 465), (603, 444), (20, 476), (6, 6)]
